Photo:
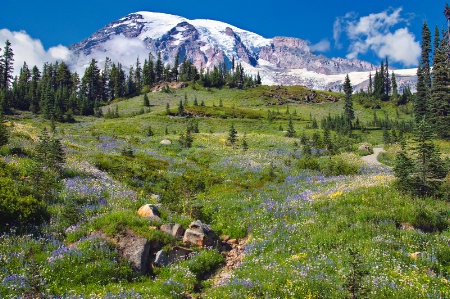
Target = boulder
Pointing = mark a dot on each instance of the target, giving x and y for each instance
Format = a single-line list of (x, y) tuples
[(148, 210), (364, 147), (200, 234), (154, 218), (175, 254), (178, 253), (135, 249), (161, 259), (165, 142), (173, 229)]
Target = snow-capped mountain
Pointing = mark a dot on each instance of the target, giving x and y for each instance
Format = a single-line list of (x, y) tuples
[(279, 60)]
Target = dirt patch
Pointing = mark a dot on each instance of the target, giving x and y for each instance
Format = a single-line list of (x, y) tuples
[(233, 259), (372, 159)]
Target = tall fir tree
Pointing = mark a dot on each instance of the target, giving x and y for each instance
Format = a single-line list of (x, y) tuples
[(348, 105), (174, 72), (394, 85), (290, 131), (6, 66), (440, 91), (138, 76), (159, 68), (421, 101)]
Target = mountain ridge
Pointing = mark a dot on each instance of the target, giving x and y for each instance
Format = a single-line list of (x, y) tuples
[(279, 60)]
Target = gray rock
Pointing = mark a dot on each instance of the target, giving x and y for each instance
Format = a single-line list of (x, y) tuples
[(365, 147), (161, 259), (178, 253), (154, 218), (165, 142), (200, 234), (135, 249), (173, 229)]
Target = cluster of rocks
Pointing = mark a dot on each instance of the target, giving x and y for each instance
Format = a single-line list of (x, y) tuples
[(198, 234), (171, 85), (144, 254)]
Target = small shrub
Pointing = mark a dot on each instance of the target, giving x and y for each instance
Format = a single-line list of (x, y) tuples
[(428, 221), (204, 263), (338, 166), (308, 163)]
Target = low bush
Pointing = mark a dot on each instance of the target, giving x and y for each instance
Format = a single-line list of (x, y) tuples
[(328, 165)]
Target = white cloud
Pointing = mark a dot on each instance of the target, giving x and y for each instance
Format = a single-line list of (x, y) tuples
[(118, 49), (374, 33), (29, 50), (322, 46)]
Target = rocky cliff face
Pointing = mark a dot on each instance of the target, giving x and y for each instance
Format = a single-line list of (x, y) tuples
[(280, 60)]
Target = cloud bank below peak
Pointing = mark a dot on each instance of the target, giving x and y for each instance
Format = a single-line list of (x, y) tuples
[(30, 50), (376, 33)]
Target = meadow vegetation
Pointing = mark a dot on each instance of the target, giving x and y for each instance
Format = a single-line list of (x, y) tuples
[(320, 223)]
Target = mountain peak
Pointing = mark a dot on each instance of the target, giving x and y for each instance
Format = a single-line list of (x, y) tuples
[(279, 60)]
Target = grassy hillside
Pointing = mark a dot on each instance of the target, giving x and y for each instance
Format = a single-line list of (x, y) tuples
[(324, 225)]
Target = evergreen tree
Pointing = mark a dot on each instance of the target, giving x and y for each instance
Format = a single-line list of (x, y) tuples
[(386, 136), (348, 105), (440, 91), (105, 76), (159, 69), (306, 150), (422, 171), (33, 90), (258, 79), (394, 85), (4, 136), (421, 102), (6, 66), (138, 76), (244, 143), (150, 132), (180, 109), (91, 87), (146, 100), (131, 85), (387, 81), (49, 152), (327, 139), (174, 71), (402, 169), (148, 72), (167, 109), (232, 135), (187, 139), (290, 131)]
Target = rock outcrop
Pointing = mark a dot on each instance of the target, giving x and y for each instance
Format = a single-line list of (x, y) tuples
[(173, 229), (149, 211), (135, 248), (201, 235)]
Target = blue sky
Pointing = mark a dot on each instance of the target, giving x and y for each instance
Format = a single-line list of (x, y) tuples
[(364, 29)]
